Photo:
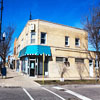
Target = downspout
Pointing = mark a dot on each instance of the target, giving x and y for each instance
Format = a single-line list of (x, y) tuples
[(38, 44), (38, 32)]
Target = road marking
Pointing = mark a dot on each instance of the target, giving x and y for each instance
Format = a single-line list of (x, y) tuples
[(58, 88), (77, 95), (73, 93), (54, 93), (28, 94)]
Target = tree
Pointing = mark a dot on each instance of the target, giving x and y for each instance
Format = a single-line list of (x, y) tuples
[(5, 45), (63, 67), (80, 68), (92, 26)]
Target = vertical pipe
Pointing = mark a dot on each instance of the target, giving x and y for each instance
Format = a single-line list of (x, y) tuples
[(43, 68), (37, 66)]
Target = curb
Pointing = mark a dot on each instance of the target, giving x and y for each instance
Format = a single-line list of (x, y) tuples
[(10, 87), (37, 84)]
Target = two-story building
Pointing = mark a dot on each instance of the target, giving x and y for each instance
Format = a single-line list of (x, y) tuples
[(58, 43)]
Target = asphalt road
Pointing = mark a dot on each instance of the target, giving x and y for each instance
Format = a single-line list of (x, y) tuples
[(13, 94), (21, 94), (77, 92), (81, 92)]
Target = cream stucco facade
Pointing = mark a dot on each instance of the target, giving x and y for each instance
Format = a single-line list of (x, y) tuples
[(73, 49)]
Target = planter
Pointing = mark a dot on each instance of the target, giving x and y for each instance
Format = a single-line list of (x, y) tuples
[(61, 79)]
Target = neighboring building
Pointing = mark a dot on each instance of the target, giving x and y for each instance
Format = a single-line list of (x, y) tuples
[(59, 43), (11, 61)]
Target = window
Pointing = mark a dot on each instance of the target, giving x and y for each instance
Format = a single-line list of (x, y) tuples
[(79, 60), (97, 63), (43, 38), (18, 49), (66, 40), (21, 43), (77, 41), (32, 36), (61, 59), (90, 62), (26, 38)]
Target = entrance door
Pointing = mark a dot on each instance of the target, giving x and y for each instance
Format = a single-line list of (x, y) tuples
[(91, 68), (32, 68)]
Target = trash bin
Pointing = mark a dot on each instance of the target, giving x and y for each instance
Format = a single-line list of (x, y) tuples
[(3, 71)]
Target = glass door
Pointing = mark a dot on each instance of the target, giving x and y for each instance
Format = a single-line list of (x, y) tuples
[(32, 68)]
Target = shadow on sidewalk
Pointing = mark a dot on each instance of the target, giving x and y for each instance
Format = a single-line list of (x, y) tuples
[(9, 77), (5, 77)]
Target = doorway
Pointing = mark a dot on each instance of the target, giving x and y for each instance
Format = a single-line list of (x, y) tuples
[(91, 68), (32, 67)]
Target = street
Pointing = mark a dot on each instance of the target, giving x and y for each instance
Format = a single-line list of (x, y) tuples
[(33, 94), (51, 93), (20, 94), (21, 87)]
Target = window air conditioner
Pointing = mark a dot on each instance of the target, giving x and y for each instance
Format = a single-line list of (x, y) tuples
[(32, 27)]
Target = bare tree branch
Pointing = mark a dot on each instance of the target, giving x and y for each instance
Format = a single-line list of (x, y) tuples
[(92, 26), (6, 45)]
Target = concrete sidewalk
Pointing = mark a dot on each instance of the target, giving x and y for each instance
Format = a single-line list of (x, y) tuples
[(16, 79)]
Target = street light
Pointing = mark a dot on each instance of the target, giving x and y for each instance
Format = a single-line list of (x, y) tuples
[(3, 69), (3, 37)]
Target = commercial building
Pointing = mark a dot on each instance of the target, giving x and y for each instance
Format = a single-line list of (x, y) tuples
[(11, 62), (59, 43)]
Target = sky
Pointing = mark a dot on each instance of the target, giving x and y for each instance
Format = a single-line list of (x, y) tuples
[(67, 12)]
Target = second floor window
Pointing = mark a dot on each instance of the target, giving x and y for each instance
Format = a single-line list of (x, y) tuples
[(66, 40), (18, 49), (21, 43), (77, 42), (26, 38), (32, 37), (43, 38)]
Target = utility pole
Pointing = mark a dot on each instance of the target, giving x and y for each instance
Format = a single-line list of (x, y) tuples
[(1, 18), (1, 21)]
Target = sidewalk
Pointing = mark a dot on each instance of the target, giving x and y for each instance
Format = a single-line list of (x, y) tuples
[(15, 79)]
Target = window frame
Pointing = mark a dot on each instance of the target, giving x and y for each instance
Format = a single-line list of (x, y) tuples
[(79, 60), (33, 33), (64, 59), (26, 38), (43, 38), (22, 43), (77, 42), (67, 40)]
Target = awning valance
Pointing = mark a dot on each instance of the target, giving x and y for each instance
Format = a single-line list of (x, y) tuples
[(35, 50)]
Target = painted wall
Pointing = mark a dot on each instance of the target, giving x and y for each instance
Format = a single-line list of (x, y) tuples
[(56, 39)]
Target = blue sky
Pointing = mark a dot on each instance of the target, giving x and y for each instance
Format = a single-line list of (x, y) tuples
[(67, 12)]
